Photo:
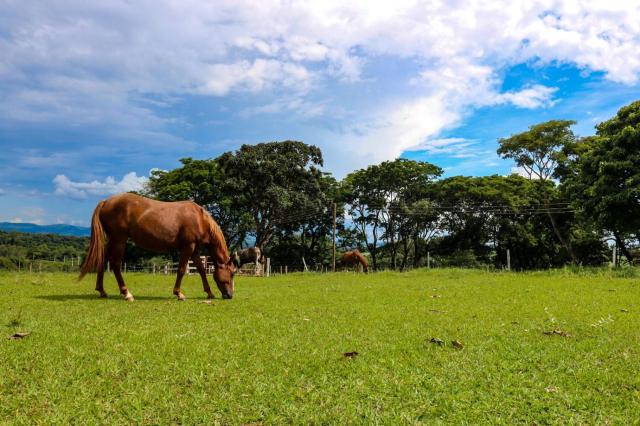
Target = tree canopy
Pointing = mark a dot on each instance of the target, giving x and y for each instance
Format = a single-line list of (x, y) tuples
[(577, 194)]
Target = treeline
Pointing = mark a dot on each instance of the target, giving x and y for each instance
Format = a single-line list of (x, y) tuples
[(52, 252), (572, 198), (573, 195), (18, 248)]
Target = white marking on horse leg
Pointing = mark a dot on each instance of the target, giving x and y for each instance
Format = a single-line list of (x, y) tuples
[(129, 297)]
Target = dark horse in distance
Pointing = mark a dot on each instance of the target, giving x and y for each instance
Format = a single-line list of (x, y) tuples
[(353, 258), (157, 226)]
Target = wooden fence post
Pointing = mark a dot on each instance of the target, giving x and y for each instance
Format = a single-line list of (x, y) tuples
[(286, 269), (268, 272), (428, 260), (508, 260)]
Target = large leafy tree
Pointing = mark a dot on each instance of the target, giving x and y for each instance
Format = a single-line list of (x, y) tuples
[(485, 216), (603, 179), (538, 151), (307, 234), (378, 198), (274, 183)]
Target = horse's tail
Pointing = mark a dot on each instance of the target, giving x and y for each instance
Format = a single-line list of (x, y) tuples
[(94, 260)]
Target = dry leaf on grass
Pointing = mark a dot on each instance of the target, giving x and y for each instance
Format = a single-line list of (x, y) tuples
[(551, 389), (350, 354), (457, 344), (19, 335), (437, 311), (206, 302), (624, 310), (557, 333)]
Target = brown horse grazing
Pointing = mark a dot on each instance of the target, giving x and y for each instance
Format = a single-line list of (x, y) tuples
[(157, 226), (248, 255), (352, 258)]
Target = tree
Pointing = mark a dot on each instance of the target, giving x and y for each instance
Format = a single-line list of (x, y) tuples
[(307, 234), (273, 183), (378, 197), (538, 152), (603, 179)]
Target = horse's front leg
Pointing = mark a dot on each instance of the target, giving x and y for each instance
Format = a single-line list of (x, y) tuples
[(185, 255), (203, 274)]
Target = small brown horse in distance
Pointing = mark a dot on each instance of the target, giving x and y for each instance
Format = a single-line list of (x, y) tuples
[(354, 257), (157, 226)]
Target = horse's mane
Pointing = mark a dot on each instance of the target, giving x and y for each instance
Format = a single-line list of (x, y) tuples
[(217, 237)]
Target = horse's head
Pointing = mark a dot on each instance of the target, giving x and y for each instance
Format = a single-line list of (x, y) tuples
[(223, 276)]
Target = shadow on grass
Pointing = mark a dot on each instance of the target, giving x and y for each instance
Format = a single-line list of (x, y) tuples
[(111, 298)]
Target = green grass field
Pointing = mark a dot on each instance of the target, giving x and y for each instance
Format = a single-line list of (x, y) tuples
[(275, 353)]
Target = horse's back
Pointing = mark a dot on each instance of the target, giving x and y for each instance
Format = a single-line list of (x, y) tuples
[(156, 225)]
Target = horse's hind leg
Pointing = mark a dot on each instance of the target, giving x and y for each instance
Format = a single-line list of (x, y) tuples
[(100, 282), (116, 251), (185, 255), (203, 274)]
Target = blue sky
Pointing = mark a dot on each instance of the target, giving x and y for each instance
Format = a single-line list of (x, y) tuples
[(92, 97)]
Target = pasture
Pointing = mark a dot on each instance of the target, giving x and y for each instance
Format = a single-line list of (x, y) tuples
[(275, 353)]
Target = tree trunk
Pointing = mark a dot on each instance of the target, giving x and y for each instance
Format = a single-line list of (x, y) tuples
[(565, 243), (405, 253), (416, 259), (392, 241), (623, 247)]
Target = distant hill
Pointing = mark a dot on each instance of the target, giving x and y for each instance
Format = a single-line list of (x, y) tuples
[(32, 228)]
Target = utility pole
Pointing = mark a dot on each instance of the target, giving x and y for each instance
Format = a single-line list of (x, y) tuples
[(334, 237)]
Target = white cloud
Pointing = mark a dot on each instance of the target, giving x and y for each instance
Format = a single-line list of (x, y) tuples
[(532, 97), (87, 64), (256, 76), (2, 192), (66, 187)]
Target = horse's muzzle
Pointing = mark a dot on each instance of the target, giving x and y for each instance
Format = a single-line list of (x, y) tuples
[(227, 296)]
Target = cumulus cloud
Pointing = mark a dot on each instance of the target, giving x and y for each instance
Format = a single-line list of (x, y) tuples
[(79, 190), (112, 62), (532, 97)]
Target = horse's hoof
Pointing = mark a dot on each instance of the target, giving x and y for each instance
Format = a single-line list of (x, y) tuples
[(129, 297), (103, 295), (181, 297), (211, 296)]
